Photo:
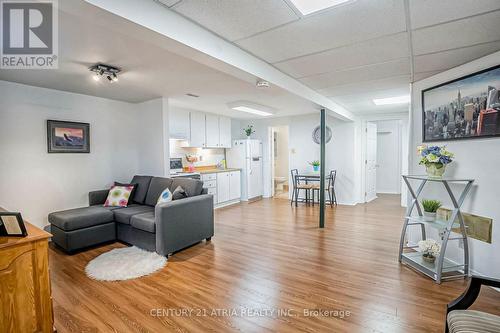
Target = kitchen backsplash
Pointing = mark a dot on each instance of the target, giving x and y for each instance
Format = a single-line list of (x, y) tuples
[(205, 156)]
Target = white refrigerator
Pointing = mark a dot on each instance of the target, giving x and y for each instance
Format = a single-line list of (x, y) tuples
[(247, 156)]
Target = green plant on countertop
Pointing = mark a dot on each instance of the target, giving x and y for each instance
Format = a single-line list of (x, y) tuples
[(314, 163), (431, 206), (249, 130)]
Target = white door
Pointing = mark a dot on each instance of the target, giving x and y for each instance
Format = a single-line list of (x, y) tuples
[(371, 162), (197, 122), (212, 128), (234, 185), (225, 132), (223, 187), (388, 157)]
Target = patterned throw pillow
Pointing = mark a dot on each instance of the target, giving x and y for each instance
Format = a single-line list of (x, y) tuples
[(165, 196), (118, 196), (179, 193)]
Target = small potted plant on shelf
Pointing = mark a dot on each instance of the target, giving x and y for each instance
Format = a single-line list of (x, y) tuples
[(315, 165), (249, 131), (435, 159), (430, 209), (430, 249)]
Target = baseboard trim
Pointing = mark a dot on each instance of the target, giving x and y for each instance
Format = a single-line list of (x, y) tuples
[(227, 203)]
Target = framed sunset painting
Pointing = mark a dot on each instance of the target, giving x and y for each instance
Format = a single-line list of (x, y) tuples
[(68, 137)]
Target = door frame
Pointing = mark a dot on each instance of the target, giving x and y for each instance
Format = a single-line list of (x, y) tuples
[(271, 173), (364, 161)]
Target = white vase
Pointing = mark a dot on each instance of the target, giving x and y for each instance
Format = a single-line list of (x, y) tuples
[(429, 217)]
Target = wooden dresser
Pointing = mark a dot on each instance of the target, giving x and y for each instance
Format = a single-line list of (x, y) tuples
[(25, 298)]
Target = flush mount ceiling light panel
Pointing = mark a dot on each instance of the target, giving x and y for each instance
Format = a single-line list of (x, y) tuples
[(306, 7), (105, 71), (392, 100), (253, 108)]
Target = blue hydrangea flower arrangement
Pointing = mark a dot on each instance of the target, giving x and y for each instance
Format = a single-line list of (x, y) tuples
[(435, 159)]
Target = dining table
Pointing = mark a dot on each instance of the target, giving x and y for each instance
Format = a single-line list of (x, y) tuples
[(314, 176)]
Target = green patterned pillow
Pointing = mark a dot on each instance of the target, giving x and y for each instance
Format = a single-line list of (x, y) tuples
[(118, 196)]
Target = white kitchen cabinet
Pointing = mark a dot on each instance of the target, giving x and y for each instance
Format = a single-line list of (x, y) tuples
[(234, 185), (212, 131), (225, 132), (223, 187), (178, 122), (197, 125)]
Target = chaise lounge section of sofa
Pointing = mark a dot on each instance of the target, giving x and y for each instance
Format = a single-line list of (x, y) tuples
[(165, 228)]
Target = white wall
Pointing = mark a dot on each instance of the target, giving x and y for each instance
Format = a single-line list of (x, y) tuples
[(125, 139), (475, 158), (152, 148), (341, 152)]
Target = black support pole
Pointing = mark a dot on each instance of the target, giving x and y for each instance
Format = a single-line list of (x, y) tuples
[(322, 171)]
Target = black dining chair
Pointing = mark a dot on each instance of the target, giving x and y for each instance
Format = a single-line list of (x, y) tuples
[(299, 183), (330, 188)]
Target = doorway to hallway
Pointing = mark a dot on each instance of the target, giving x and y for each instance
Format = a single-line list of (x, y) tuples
[(280, 162)]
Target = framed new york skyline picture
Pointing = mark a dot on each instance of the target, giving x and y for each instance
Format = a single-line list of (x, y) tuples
[(464, 108), (68, 137)]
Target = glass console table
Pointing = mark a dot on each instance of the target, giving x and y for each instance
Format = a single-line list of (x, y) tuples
[(442, 268)]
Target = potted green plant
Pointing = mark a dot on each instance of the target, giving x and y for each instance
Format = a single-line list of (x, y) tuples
[(249, 131), (430, 209), (430, 249), (435, 159), (315, 165)]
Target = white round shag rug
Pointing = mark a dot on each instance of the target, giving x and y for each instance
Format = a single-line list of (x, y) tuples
[(124, 264)]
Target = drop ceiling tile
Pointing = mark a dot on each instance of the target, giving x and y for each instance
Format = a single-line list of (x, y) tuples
[(362, 101), (452, 58), (359, 74), (424, 75), (236, 19), (373, 51), (344, 25), (429, 12), (471, 31), (395, 82)]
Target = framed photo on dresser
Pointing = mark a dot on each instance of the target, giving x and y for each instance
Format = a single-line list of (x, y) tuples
[(12, 225)]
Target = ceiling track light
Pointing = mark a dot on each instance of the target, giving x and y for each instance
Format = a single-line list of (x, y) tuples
[(109, 72)]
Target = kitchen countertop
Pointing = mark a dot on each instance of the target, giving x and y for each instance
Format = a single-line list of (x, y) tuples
[(205, 171)]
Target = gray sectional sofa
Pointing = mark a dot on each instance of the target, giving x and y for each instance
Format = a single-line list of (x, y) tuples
[(164, 228)]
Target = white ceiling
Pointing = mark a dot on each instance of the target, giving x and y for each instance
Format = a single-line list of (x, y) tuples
[(88, 35), (358, 51)]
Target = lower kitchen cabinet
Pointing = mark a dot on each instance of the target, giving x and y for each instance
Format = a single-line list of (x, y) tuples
[(224, 186)]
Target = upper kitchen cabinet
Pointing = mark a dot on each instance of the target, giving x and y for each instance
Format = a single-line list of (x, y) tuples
[(178, 124), (225, 132), (199, 129), (212, 130), (198, 136)]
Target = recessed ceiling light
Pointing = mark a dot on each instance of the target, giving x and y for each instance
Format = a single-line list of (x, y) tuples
[(392, 100), (249, 107), (192, 95), (307, 7)]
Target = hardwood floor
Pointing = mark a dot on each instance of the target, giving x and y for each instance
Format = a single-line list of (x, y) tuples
[(268, 256)]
